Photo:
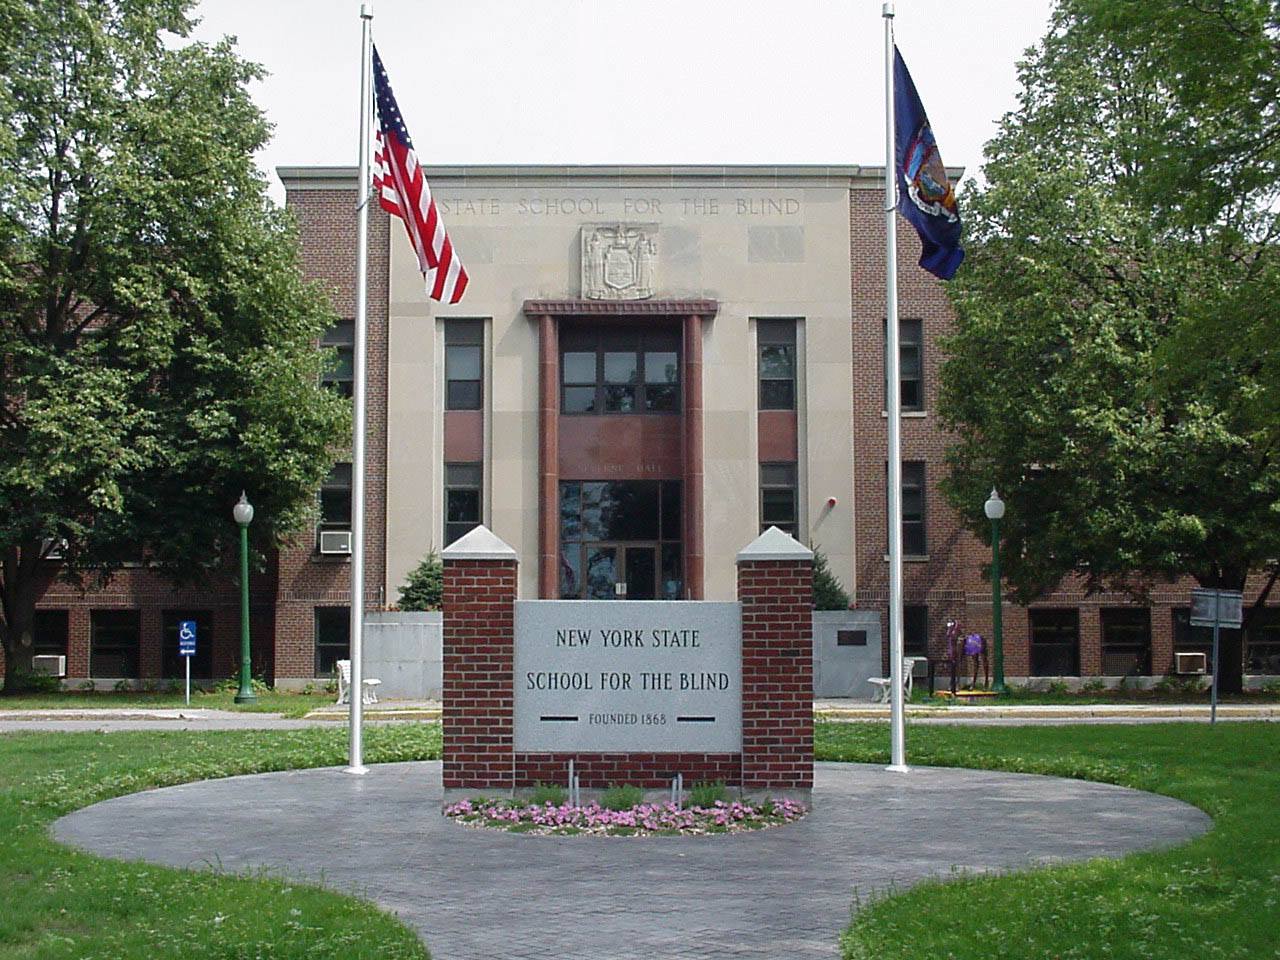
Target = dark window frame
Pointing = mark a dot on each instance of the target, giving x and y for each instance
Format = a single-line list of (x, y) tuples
[(1046, 651), (772, 480), (327, 651), (96, 645), (912, 526), (341, 337), (915, 630), (656, 398), (910, 337), (334, 483), (1262, 652), (462, 335), (772, 334), (41, 643), (457, 480), (1125, 643)]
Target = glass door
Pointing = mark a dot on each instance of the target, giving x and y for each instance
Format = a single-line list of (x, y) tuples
[(642, 572)]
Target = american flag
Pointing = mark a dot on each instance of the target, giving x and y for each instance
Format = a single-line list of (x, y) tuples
[(403, 191)]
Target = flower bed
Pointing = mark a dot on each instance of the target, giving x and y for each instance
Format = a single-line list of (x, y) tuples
[(644, 819)]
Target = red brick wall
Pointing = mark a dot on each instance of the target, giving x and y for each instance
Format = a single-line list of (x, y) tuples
[(327, 231), (478, 682), (777, 673), (951, 581)]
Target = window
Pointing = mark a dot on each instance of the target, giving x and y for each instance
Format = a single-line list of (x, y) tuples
[(335, 498), (915, 631), (778, 497), (776, 360), (1262, 642), (463, 364), (341, 337), (462, 499), (914, 543), (333, 639), (621, 539), (1126, 642), (202, 663), (113, 643), (1189, 639), (620, 371), (1055, 643), (49, 636), (910, 364)]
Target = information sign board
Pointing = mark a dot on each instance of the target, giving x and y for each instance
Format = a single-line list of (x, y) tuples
[(1223, 607)]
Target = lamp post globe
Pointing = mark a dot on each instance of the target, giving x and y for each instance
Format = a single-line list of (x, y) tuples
[(994, 509), (242, 513)]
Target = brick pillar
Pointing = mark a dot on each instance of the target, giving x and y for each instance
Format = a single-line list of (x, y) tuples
[(775, 588), (479, 649)]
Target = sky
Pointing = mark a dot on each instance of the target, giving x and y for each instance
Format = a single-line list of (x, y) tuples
[(629, 81)]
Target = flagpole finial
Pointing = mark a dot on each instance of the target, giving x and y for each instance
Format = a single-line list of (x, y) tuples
[(886, 10), (366, 10)]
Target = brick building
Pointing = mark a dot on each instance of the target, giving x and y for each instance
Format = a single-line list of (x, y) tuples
[(651, 365)]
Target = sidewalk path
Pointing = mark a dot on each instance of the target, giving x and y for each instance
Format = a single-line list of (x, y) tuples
[(393, 711), (479, 894)]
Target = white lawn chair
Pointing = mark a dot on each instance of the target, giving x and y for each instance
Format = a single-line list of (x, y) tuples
[(370, 684), (882, 684)]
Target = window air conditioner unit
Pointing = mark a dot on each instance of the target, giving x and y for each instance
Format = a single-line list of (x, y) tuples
[(52, 549), (1191, 663), (49, 665), (335, 542)]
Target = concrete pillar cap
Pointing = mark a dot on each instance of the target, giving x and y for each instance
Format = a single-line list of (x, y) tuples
[(773, 544), (479, 544)]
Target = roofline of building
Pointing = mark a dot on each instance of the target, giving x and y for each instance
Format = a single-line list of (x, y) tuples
[(613, 175)]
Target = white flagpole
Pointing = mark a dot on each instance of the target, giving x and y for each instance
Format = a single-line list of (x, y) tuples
[(355, 692), (897, 715)]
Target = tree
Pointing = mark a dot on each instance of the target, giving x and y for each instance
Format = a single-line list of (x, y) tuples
[(828, 593), (158, 337), (1113, 371), (424, 590)]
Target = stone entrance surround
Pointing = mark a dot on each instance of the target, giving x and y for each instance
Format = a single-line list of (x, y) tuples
[(775, 597), (479, 894)]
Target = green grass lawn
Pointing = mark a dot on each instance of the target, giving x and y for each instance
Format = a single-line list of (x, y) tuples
[(268, 701), (57, 904), (1215, 897)]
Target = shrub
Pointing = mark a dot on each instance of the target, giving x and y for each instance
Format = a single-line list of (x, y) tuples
[(1093, 686), (552, 793), (621, 797), (828, 593), (706, 793), (424, 589)]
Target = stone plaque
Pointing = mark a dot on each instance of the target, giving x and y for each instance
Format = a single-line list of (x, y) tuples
[(618, 260), (616, 676)]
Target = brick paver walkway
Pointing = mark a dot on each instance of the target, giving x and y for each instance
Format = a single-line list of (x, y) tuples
[(479, 894)]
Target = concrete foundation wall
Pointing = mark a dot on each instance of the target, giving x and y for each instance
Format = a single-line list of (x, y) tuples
[(403, 650)]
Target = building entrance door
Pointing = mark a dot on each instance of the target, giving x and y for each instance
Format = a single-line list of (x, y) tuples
[(622, 571)]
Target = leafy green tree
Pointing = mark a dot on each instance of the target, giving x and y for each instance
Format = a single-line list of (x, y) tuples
[(424, 590), (828, 594), (158, 337), (1113, 371)]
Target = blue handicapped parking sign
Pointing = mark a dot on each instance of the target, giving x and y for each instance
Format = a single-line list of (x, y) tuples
[(187, 638)]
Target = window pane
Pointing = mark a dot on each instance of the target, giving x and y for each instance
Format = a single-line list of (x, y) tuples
[(913, 539), (571, 571), (621, 367), (462, 395), (777, 395), (671, 527), (578, 367), (911, 399), (662, 398), (1055, 643), (462, 363), (661, 367), (631, 510), (462, 505), (778, 507), (335, 506), (114, 641), (915, 631), (50, 633), (592, 511), (333, 638), (619, 399), (909, 362), (672, 585), (463, 474), (778, 474), (602, 573), (912, 504), (777, 361), (570, 521), (579, 400)]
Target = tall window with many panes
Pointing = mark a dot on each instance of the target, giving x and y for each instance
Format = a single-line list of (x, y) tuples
[(776, 364), (619, 371)]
